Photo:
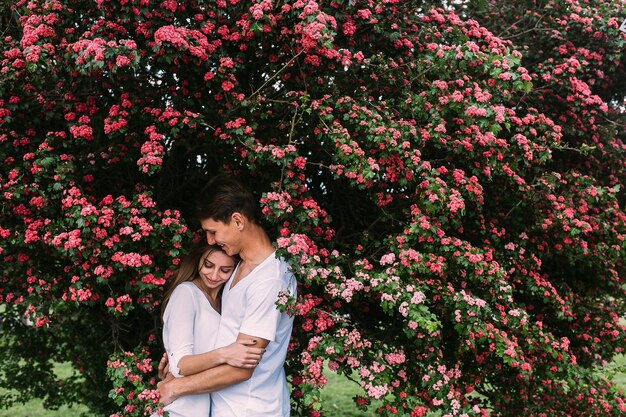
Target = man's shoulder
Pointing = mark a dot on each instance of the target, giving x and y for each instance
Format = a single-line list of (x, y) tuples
[(273, 274), (274, 268)]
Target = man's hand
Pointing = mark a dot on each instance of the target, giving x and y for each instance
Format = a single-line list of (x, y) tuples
[(165, 389), (164, 367)]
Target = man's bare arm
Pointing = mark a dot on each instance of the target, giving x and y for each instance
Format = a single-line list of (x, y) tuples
[(210, 380)]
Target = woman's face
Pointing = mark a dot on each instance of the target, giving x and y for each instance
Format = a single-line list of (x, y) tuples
[(215, 268)]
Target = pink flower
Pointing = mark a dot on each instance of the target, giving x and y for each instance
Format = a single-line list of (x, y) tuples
[(122, 61), (376, 391), (388, 259)]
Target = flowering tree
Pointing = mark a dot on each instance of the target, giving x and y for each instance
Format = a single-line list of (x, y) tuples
[(447, 185)]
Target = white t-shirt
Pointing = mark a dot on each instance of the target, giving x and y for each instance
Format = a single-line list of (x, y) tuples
[(250, 308), (189, 327)]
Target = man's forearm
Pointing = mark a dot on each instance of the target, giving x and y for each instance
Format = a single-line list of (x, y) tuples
[(210, 380)]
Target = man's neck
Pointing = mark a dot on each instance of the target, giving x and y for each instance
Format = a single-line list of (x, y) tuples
[(257, 246), (255, 249)]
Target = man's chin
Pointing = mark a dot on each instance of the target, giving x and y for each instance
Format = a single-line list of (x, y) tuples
[(228, 251)]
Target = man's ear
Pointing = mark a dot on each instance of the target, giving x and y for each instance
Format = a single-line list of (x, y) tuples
[(239, 219)]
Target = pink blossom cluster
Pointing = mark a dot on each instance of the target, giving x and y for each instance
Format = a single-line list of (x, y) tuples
[(120, 305), (134, 383), (151, 152), (117, 117), (258, 10), (184, 39)]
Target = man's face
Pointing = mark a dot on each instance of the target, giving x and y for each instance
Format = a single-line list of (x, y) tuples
[(222, 234)]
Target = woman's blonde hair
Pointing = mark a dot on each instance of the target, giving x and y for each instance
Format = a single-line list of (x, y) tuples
[(188, 269)]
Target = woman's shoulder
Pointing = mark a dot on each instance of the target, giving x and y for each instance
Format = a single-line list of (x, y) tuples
[(184, 289), (188, 285)]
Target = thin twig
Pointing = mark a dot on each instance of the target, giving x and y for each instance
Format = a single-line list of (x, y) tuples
[(513, 208), (274, 76), (291, 130), (521, 33)]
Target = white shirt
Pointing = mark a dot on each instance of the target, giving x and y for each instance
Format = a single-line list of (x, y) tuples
[(189, 327), (250, 308)]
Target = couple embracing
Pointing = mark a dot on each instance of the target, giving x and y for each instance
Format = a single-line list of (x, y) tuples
[(225, 340)]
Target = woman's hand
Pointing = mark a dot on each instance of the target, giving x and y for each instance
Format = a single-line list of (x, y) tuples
[(242, 354), (164, 367)]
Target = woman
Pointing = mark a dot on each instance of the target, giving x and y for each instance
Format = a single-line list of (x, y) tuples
[(191, 316)]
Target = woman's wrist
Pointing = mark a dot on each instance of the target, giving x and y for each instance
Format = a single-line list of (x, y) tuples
[(221, 356)]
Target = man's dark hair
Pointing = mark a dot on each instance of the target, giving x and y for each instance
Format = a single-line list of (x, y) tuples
[(222, 197)]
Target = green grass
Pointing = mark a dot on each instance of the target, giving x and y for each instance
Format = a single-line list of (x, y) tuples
[(336, 396), (616, 372), (34, 408)]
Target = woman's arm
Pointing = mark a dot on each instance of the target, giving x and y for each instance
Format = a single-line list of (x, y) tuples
[(178, 326), (179, 318), (241, 354)]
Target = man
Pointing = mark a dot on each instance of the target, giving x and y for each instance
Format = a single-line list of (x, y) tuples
[(228, 213)]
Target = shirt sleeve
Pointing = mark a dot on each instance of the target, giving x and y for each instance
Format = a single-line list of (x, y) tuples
[(179, 320), (262, 317)]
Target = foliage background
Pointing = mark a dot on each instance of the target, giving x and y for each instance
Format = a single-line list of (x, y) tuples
[(447, 182)]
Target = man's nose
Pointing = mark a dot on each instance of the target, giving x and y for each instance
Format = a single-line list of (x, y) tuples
[(210, 239)]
